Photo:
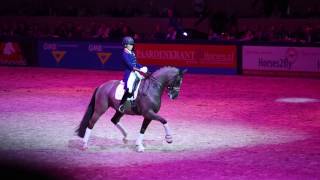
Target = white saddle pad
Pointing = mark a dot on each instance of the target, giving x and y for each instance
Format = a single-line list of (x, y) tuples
[(120, 91)]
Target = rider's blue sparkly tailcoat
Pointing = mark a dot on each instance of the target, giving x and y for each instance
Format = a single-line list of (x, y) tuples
[(130, 61)]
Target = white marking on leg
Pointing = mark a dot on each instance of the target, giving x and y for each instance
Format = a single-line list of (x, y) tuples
[(139, 143), (123, 132), (86, 137), (168, 133)]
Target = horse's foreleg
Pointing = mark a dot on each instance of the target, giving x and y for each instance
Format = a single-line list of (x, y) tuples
[(168, 133), (86, 138), (115, 120), (123, 132), (139, 141), (153, 115)]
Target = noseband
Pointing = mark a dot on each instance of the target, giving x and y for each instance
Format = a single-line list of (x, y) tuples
[(173, 86)]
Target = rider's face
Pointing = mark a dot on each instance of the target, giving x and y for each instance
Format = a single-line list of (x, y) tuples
[(129, 47)]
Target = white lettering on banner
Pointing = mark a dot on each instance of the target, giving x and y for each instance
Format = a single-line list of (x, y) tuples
[(166, 54), (54, 46), (49, 46), (282, 63), (203, 57), (219, 58), (95, 47)]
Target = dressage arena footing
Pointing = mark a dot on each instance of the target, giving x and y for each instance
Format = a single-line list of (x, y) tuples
[(224, 127)]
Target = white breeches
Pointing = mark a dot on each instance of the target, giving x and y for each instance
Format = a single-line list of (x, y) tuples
[(133, 76), (131, 80)]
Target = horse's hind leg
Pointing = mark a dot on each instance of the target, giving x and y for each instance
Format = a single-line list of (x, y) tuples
[(92, 122), (115, 120), (100, 106)]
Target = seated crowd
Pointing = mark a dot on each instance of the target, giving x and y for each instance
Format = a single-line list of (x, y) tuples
[(67, 30)]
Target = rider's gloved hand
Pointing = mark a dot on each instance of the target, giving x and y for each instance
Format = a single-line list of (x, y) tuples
[(144, 69)]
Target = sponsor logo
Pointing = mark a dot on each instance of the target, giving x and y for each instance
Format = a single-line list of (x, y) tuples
[(292, 55), (10, 54), (103, 57), (8, 48), (196, 55), (219, 58), (58, 55), (166, 54), (95, 47), (282, 63)]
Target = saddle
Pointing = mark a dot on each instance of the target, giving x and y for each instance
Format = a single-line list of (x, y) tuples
[(120, 90)]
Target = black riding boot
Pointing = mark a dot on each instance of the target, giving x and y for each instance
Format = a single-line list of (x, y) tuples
[(123, 100)]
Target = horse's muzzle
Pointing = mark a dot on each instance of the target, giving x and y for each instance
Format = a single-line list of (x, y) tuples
[(173, 95)]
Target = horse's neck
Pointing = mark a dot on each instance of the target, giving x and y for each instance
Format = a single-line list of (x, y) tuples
[(164, 75), (162, 80), (158, 82)]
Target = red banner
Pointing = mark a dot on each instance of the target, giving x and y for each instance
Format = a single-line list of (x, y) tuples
[(10, 54), (209, 56)]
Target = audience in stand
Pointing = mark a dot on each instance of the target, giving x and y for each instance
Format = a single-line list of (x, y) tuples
[(67, 30), (223, 27)]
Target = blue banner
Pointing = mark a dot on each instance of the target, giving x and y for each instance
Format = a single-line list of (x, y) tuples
[(79, 54)]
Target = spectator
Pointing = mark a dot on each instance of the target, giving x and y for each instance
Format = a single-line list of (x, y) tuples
[(158, 34), (126, 31), (248, 36), (171, 34), (213, 36), (199, 7), (307, 34), (103, 32)]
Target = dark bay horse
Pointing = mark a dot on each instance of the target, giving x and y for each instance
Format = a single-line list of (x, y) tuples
[(147, 104)]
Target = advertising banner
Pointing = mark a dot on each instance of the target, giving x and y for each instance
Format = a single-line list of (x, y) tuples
[(221, 59), (74, 54), (281, 60), (11, 54), (188, 55)]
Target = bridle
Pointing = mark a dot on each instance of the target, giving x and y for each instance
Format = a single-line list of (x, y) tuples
[(171, 87)]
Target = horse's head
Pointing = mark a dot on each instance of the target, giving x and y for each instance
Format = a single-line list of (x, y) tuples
[(175, 83)]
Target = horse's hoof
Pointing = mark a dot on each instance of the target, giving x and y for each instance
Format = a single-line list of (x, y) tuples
[(140, 148), (84, 147), (169, 139), (125, 140)]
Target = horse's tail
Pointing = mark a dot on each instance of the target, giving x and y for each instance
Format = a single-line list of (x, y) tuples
[(87, 116)]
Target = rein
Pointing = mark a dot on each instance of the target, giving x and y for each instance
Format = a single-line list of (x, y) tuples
[(155, 80), (172, 86), (152, 78)]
